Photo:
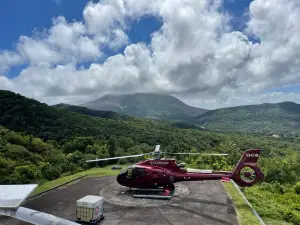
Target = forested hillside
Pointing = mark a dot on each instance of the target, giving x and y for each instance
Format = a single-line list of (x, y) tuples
[(49, 123), (39, 143), (281, 118), (91, 112)]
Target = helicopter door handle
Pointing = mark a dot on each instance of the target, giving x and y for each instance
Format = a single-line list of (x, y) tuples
[(187, 178)]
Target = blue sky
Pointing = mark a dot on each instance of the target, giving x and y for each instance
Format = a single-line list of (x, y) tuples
[(18, 17), (22, 18)]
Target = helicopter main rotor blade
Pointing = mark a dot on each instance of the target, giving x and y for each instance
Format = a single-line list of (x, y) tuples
[(118, 157), (194, 153)]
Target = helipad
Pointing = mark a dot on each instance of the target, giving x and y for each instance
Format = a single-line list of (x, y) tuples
[(196, 203)]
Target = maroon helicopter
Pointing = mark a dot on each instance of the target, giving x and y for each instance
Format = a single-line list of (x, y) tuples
[(163, 173)]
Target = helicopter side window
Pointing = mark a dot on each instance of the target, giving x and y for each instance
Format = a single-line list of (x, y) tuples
[(133, 173)]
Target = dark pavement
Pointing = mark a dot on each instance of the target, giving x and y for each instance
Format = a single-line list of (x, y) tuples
[(206, 203)]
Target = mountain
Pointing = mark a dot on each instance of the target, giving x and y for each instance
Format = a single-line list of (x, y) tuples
[(149, 105), (65, 121), (280, 118), (90, 112), (61, 123)]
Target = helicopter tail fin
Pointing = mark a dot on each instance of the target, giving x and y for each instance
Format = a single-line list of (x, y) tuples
[(249, 157), (248, 160)]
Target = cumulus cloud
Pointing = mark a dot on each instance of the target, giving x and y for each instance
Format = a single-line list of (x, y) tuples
[(8, 59), (243, 99), (196, 55)]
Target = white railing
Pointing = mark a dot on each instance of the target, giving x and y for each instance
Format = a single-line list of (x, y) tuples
[(248, 203)]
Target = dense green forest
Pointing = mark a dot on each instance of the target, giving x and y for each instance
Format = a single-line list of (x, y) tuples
[(39, 143), (267, 119)]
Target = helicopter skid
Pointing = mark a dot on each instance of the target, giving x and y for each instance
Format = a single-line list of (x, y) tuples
[(147, 189), (157, 193), (154, 196)]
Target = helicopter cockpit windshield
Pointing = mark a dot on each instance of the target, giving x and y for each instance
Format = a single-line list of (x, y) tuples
[(133, 172)]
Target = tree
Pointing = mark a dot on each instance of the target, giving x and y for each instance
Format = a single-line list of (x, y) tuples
[(17, 152), (38, 146), (78, 143), (3, 142), (50, 172), (14, 138), (112, 146), (25, 174), (125, 143)]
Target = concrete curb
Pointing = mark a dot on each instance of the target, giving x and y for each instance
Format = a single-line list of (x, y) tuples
[(248, 203), (43, 192)]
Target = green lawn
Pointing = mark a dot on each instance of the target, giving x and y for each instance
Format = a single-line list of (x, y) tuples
[(244, 212), (95, 172), (277, 205), (275, 222)]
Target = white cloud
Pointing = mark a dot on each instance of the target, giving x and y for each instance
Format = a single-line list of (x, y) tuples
[(103, 16), (195, 54), (38, 51), (119, 39), (236, 100), (8, 59)]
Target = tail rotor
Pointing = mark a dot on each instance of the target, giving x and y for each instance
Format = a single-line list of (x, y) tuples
[(246, 172)]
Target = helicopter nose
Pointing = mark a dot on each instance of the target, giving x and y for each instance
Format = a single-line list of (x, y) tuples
[(120, 179)]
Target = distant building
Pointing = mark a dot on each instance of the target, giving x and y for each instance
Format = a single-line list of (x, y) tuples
[(276, 135)]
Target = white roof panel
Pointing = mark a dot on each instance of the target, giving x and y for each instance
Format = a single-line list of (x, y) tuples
[(90, 199), (11, 196)]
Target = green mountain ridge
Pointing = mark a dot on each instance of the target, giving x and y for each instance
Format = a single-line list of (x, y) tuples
[(268, 118), (261, 119), (63, 122), (91, 112)]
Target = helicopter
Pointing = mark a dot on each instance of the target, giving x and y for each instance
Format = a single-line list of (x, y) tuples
[(163, 173)]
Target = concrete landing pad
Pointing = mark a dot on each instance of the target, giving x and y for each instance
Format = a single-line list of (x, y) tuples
[(197, 202), (119, 195)]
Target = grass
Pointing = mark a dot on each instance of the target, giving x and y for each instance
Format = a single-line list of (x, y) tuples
[(269, 221), (277, 205), (95, 172), (244, 212)]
